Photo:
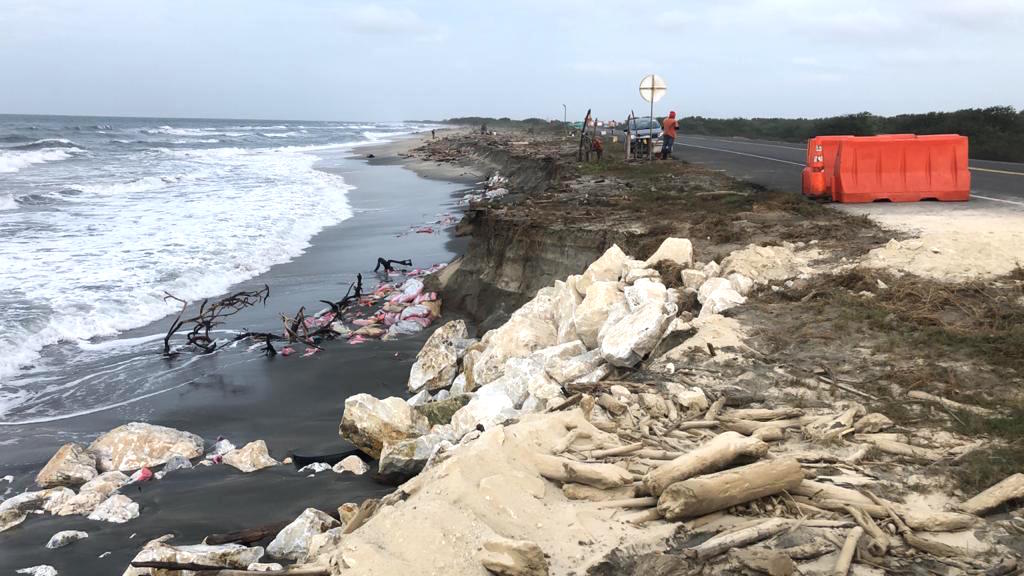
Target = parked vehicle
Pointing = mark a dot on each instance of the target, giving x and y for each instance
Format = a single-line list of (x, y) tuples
[(641, 133)]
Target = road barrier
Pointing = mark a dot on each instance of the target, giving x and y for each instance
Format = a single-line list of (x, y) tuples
[(890, 167)]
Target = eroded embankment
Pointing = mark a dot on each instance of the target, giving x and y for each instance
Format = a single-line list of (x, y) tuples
[(560, 215)]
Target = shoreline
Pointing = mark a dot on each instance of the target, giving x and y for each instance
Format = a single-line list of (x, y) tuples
[(247, 398)]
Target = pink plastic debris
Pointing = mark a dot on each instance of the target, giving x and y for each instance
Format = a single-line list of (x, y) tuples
[(356, 340), (364, 321), (310, 351), (422, 321), (415, 310), (287, 351), (425, 297), (424, 230), (142, 475)]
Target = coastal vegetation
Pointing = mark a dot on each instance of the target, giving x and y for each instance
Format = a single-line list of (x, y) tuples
[(996, 133)]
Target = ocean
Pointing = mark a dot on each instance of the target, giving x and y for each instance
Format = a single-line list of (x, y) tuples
[(101, 217)]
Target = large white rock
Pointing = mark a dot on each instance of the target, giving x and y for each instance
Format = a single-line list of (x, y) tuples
[(65, 537), (693, 278), (233, 556), (520, 377), (39, 570), (92, 493), (437, 362), (711, 269), (634, 336), (369, 422), (490, 406), (606, 268), (406, 458), (117, 509), (251, 457), (519, 337), (292, 542), (637, 273), (564, 370), (11, 517), (566, 302), (323, 542), (353, 464), (70, 466), (49, 500), (507, 557), (740, 283), (591, 314), (137, 444), (688, 398), (645, 291), (718, 295), (676, 250)]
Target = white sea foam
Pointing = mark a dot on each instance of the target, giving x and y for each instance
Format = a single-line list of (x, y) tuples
[(196, 223), (7, 202), (15, 160), (280, 134)]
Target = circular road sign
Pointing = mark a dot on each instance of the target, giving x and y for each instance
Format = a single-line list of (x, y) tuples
[(653, 87)]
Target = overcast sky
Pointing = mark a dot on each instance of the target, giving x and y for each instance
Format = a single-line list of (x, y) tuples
[(427, 59)]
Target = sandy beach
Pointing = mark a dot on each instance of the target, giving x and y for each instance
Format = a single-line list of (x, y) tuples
[(294, 403)]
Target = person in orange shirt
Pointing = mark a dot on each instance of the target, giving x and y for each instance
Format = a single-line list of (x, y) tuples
[(668, 131)]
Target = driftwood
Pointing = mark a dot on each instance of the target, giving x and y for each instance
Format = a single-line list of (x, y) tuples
[(716, 454), (246, 536), (846, 554), (1010, 488), (927, 520), (763, 413), (597, 475), (723, 542), (906, 450), (209, 316), (879, 540), (715, 408), (296, 570), (705, 494), (949, 404), (926, 546)]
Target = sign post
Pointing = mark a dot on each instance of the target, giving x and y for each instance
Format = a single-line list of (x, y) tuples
[(652, 88)]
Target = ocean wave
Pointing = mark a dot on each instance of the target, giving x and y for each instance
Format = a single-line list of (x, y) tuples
[(14, 160), (199, 141), (44, 143), (280, 134), (103, 268), (7, 202)]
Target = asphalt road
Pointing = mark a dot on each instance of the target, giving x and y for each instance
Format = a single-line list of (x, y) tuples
[(778, 164)]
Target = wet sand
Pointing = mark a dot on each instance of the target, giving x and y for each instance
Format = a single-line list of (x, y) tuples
[(293, 403)]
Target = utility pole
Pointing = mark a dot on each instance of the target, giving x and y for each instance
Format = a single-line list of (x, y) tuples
[(565, 116)]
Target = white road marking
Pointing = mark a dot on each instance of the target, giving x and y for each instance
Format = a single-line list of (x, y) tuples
[(750, 142), (996, 171), (801, 164), (1015, 203)]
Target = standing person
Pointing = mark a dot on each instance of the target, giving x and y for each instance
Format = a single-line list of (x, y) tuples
[(668, 130), (433, 134)]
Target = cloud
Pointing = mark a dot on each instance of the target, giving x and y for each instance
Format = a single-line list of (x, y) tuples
[(377, 20), (674, 20)]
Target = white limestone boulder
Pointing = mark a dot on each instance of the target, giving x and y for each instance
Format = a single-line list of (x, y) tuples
[(93, 493), (292, 542), (65, 537), (233, 556), (251, 457), (679, 251), (601, 299), (137, 444), (692, 278), (712, 269), (38, 570), (565, 370), (48, 500), (407, 458), (634, 336), (369, 422), (718, 295), (740, 283), (606, 268), (352, 464), (645, 291), (519, 337), (437, 362), (635, 274), (566, 302), (71, 465), (490, 406), (507, 557), (117, 509)]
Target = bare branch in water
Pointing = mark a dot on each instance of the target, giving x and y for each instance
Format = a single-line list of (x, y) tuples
[(209, 316)]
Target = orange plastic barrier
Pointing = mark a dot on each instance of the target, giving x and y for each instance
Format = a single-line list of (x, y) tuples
[(901, 169), (819, 174)]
